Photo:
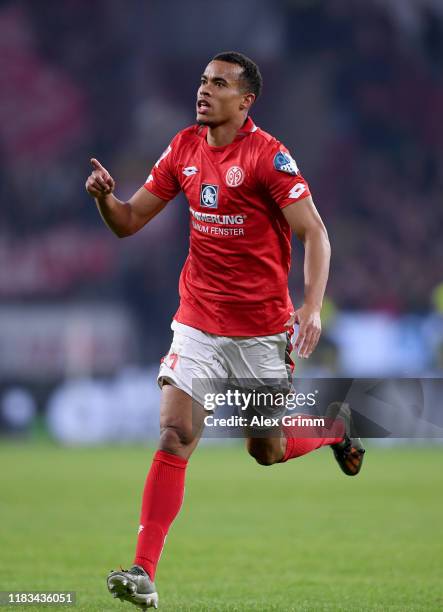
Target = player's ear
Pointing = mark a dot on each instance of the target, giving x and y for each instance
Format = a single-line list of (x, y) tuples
[(247, 101)]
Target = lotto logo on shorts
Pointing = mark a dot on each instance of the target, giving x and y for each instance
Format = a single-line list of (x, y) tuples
[(209, 195)]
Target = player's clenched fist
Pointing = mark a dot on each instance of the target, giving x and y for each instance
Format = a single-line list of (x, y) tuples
[(99, 182)]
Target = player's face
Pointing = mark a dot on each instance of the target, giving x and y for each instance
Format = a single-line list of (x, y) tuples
[(221, 97)]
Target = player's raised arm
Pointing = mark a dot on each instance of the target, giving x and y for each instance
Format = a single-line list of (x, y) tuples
[(308, 226), (123, 218)]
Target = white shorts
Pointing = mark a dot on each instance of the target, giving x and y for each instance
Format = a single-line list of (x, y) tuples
[(197, 355)]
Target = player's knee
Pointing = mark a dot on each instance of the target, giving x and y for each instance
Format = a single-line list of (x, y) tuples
[(173, 438), (264, 460), (263, 456)]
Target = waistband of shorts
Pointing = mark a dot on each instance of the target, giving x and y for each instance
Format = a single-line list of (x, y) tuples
[(198, 334), (190, 332)]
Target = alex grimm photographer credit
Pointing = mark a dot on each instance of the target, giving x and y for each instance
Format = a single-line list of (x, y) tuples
[(221, 324)]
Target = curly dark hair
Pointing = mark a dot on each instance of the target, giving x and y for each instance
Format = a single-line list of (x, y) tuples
[(251, 73)]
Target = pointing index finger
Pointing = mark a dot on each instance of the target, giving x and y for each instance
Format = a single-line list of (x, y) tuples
[(97, 165)]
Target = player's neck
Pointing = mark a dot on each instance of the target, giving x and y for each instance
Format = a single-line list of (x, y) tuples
[(224, 134)]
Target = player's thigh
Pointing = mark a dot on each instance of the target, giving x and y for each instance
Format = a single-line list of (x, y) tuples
[(181, 418), (192, 363), (264, 364), (261, 358)]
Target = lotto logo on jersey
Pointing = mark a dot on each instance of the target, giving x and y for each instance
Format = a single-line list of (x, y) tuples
[(283, 162), (190, 170), (296, 191), (209, 195)]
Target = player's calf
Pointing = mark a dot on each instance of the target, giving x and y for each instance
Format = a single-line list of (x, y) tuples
[(177, 441)]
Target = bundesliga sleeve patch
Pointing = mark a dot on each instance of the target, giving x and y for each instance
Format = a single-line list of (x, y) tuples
[(283, 162)]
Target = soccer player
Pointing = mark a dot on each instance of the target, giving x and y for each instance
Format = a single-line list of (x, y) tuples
[(235, 318)]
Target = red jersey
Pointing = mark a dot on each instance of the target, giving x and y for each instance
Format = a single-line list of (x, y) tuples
[(235, 278)]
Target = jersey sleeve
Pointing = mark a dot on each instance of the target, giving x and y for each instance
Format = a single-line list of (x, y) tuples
[(280, 176), (162, 181)]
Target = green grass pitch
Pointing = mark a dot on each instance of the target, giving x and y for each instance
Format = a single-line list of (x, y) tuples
[(299, 536)]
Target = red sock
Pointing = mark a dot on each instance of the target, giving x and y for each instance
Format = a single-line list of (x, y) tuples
[(162, 500), (296, 446)]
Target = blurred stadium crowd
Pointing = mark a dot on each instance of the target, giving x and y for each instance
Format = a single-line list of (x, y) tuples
[(354, 89)]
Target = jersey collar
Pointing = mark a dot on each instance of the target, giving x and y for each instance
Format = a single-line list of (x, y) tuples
[(247, 128)]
